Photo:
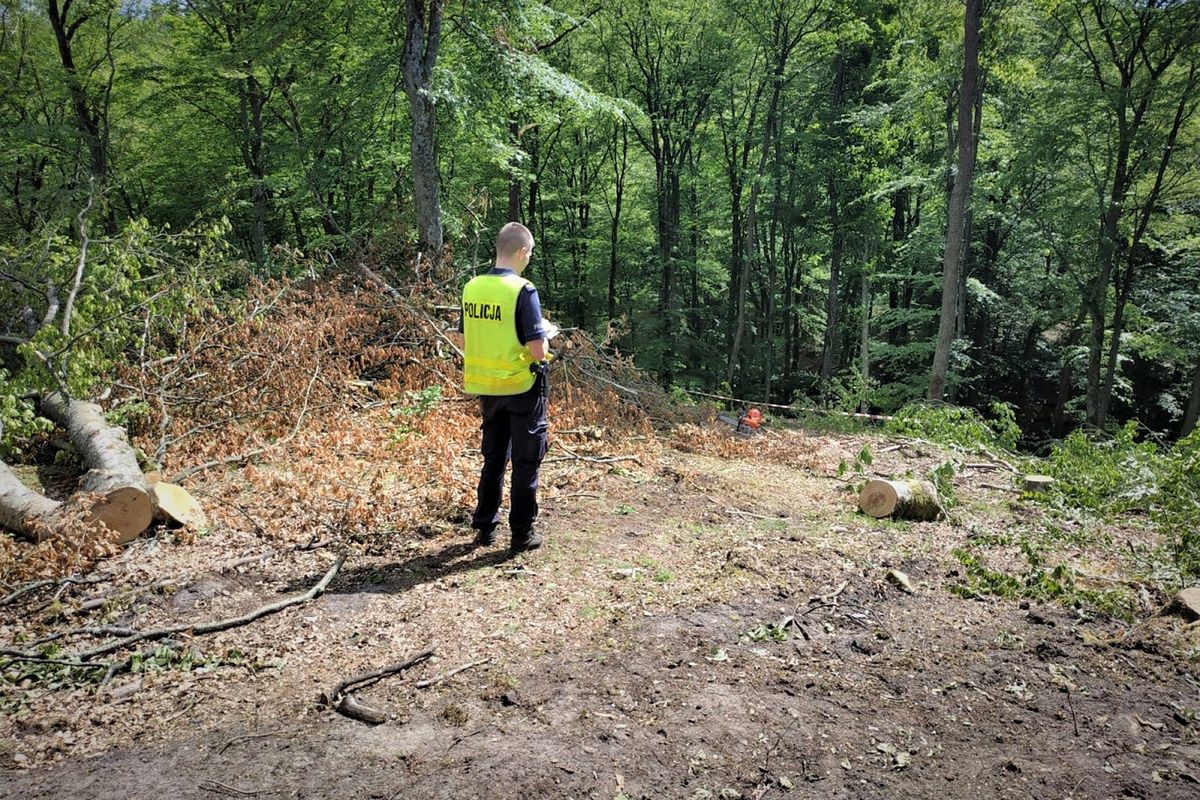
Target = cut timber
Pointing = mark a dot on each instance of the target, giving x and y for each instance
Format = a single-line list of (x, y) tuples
[(1037, 483), (905, 499), (21, 508), (175, 505), (113, 470)]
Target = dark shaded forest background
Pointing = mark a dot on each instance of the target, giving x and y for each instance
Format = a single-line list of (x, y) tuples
[(786, 200)]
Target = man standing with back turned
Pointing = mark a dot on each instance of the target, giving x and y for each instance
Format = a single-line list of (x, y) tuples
[(504, 336)]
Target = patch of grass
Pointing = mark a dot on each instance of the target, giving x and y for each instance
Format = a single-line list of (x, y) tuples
[(624, 510), (663, 575)]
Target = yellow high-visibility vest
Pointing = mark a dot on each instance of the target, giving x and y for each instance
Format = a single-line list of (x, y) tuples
[(494, 361)]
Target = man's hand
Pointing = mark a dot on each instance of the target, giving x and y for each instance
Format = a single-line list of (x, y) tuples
[(538, 348)]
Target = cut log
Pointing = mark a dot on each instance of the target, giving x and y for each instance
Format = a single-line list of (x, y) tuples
[(1037, 483), (917, 500), (22, 510), (113, 470), (175, 505)]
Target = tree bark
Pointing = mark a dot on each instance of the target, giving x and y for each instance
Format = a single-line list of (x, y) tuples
[(620, 160), (837, 240), (1193, 407), (959, 199), (22, 510), (421, 41), (113, 469), (916, 500), (88, 119), (865, 332)]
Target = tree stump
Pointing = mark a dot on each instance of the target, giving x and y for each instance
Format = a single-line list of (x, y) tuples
[(113, 469), (175, 505), (1037, 483), (916, 500)]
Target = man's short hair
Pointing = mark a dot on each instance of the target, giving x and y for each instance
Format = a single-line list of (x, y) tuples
[(511, 238)]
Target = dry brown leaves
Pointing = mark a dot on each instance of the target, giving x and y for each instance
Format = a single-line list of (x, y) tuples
[(306, 400), (792, 448), (70, 546)]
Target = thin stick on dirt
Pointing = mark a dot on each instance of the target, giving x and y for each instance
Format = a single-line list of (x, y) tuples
[(179, 477), (601, 459), (220, 788), (13, 659), (250, 736), (753, 515), (367, 678), (219, 625), (831, 597), (439, 678), (1071, 705), (21, 591)]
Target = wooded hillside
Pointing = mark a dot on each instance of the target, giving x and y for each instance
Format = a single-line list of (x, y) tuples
[(849, 202)]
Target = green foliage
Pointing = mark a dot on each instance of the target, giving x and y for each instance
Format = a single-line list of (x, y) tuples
[(942, 477), (1109, 476), (1177, 507), (767, 632), (132, 285), (955, 425), (1105, 475), (857, 469), (18, 418), (1039, 581), (681, 397), (417, 405)]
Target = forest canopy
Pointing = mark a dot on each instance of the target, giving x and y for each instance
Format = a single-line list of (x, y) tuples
[(857, 204)]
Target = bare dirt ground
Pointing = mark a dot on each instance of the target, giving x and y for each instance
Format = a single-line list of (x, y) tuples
[(695, 627)]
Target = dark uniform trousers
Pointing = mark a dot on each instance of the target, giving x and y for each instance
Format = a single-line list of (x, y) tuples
[(514, 427)]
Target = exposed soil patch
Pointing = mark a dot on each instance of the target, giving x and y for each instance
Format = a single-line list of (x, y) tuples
[(695, 627)]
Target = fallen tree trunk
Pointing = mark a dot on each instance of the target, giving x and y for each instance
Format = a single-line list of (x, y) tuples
[(113, 469), (22, 510), (917, 500)]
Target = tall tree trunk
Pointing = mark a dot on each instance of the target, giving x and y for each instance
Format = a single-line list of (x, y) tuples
[(421, 40), (1193, 407), (1124, 288), (620, 162), (514, 185), (865, 332), (748, 229), (1063, 394), (87, 118), (831, 296), (1124, 281), (959, 198), (254, 157), (828, 350)]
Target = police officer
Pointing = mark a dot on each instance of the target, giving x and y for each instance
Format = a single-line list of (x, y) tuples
[(504, 335)]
